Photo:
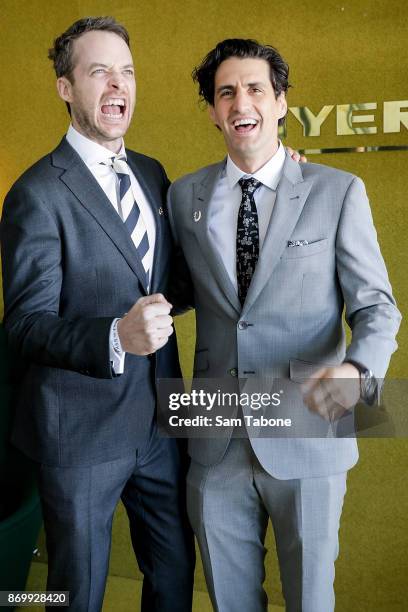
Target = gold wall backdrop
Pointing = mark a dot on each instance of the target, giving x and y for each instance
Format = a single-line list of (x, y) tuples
[(340, 52)]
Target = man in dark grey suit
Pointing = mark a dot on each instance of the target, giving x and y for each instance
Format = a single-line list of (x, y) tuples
[(85, 241), (276, 251)]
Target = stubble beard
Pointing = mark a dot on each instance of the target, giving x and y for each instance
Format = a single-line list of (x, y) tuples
[(89, 129)]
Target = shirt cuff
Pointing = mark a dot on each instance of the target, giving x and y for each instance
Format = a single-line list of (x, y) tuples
[(116, 353)]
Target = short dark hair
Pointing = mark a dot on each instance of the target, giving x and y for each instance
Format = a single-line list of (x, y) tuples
[(204, 74), (61, 54)]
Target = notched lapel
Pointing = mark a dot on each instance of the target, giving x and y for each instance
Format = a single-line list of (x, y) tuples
[(202, 193), (291, 195), (80, 181)]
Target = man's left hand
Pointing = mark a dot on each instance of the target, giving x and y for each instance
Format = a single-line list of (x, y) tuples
[(332, 391), (296, 156)]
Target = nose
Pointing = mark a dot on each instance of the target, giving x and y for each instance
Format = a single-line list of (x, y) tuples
[(116, 80), (241, 101)]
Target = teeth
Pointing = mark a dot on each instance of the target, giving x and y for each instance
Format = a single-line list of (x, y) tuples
[(115, 102), (113, 116), (245, 122)]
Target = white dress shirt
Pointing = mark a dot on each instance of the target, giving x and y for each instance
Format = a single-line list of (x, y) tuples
[(226, 200), (95, 156)]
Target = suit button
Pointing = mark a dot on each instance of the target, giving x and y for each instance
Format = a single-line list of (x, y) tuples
[(242, 325), (233, 372)]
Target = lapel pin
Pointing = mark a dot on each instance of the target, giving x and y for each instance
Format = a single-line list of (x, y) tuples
[(197, 215), (161, 211)]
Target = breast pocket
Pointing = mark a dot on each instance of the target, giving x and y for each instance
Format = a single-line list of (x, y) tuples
[(306, 250)]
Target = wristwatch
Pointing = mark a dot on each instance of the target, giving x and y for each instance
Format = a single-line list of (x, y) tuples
[(368, 383)]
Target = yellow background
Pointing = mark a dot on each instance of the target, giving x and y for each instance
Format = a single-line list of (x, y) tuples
[(340, 52)]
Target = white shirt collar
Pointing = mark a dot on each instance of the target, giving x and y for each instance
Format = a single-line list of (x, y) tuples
[(90, 151), (268, 175)]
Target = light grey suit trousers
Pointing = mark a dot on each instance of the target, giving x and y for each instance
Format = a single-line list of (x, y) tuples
[(229, 505)]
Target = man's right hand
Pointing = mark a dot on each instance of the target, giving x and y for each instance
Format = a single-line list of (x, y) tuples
[(147, 326)]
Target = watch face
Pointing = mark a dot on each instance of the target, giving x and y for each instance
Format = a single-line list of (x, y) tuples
[(368, 386)]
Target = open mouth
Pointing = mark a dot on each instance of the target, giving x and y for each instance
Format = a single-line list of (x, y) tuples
[(245, 125), (114, 108)]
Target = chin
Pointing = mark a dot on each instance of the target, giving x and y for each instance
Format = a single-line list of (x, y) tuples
[(245, 148), (113, 132)]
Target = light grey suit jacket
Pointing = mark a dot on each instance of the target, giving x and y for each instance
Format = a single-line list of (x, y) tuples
[(295, 302)]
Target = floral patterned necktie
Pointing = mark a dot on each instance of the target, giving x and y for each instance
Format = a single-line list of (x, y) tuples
[(247, 236)]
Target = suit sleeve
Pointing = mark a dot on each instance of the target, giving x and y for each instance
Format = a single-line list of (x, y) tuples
[(181, 291), (371, 311), (31, 249)]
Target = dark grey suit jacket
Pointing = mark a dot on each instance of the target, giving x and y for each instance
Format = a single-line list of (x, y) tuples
[(69, 268)]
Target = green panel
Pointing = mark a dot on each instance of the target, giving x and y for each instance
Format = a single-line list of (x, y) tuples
[(20, 512)]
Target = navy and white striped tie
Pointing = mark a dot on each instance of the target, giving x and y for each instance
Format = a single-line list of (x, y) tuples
[(130, 213)]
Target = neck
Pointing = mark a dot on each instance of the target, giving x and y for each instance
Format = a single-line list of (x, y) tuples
[(251, 164), (112, 145)]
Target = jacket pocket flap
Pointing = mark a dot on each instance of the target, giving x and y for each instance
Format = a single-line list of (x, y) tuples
[(300, 370)]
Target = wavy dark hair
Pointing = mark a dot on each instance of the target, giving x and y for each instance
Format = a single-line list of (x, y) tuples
[(204, 74)]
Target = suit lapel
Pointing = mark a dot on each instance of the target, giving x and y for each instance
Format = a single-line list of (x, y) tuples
[(86, 189), (291, 196), (202, 193)]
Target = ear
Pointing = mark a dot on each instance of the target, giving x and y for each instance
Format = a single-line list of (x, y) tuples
[(212, 115), (64, 88), (282, 105)]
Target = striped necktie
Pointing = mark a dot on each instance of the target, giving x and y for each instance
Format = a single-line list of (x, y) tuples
[(130, 213)]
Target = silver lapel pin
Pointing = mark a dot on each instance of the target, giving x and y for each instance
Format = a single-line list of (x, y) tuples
[(161, 211), (197, 215)]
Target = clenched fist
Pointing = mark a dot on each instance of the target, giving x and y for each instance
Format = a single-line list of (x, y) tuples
[(332, 391), (147, 326)]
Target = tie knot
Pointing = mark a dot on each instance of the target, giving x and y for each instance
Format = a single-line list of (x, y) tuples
[(249, 185), (118, 163)]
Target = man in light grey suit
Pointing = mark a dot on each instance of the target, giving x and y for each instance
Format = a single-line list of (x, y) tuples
[(275, 251)]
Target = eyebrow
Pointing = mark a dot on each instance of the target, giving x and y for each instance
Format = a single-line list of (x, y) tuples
[(254, 84), (100, 65)]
